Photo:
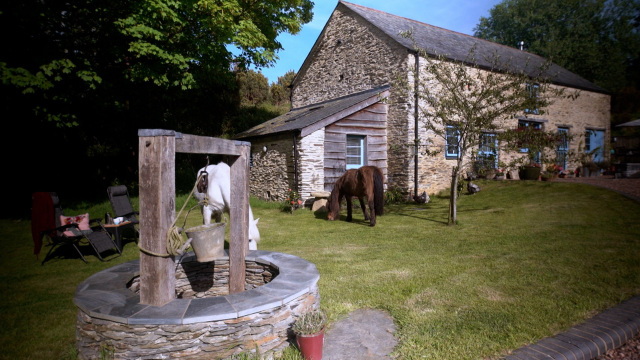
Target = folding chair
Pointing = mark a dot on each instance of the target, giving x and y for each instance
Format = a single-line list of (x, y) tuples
[(78, 230), (122, 207)]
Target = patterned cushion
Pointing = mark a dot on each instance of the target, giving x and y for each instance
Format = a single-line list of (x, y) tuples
[(82, 221)]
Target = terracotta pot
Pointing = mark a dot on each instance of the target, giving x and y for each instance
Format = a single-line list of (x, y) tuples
[(311, 345)]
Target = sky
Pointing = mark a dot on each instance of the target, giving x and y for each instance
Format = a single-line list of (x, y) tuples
[(457, 15)]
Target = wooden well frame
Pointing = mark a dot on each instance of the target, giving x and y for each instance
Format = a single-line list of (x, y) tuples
[(156, 164)]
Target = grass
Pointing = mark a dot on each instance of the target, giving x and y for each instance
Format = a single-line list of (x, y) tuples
[(527, 260)]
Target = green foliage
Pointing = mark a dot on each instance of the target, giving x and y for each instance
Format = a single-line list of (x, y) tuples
[(78, 50), (394, 195), (82, 77), (253, 87), (293, 201), (281, 91), (310, 323), (540, 145), (596, 39)]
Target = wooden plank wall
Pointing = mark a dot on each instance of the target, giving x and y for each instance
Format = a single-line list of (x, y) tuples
[(370, 122)]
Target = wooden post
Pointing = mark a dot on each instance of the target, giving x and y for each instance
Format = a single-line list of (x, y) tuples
[(239, 218), (156, 164), (157, 151)]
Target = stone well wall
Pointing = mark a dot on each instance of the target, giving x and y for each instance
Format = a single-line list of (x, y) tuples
[(199, 325)]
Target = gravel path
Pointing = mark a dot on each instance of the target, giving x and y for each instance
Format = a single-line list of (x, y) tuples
[(629, 187), (628, 351)]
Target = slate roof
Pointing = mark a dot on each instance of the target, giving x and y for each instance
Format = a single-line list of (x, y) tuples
[(310, 115), (456, 46)]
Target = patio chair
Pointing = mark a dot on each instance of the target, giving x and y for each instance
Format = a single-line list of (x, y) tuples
[(122, 207), (121, 204), (76, 231)]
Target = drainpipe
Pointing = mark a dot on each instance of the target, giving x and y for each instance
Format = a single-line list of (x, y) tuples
[(295, 162), (416, 140)]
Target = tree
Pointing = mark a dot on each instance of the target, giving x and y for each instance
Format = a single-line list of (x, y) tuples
[(460, 102), (63, 51), (253, 87), (281, 91), (80, 77), (596, 39)]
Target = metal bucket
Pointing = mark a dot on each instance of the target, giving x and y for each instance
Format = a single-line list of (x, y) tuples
[(207, 241)]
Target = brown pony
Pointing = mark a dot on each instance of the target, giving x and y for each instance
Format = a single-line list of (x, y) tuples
[(366, 181)]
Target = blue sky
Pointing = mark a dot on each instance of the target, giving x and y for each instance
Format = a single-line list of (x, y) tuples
[(457, 15)]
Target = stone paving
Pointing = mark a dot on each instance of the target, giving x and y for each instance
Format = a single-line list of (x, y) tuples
[(366, 334)]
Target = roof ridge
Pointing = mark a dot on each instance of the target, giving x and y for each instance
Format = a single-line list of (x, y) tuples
[(375, 89), (438, 27)]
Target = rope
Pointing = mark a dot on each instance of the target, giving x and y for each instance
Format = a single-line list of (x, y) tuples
[(175, 242)]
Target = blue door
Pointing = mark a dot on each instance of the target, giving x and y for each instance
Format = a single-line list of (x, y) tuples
[(594, 143)]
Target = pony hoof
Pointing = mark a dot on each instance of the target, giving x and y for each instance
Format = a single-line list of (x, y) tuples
[(349, 219)]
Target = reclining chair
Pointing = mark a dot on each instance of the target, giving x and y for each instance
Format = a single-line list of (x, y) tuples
[(78, 230), (121, 205)]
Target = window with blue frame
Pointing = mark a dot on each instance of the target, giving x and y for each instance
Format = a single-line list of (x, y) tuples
[(356, 150), (532, 125), (532, 94), (488, 151), (452, 136), (562, 150)]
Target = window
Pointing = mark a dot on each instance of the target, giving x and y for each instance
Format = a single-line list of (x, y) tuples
[(488, 151), (355, 151), (563, 148), (453, 139), (532, 125), (532, 94)]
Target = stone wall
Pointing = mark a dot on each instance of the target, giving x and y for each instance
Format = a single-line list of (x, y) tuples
[(204, 322), (350, 57), (311, 163), (267, 331), (589, 110), (205, 279), (272, 171)]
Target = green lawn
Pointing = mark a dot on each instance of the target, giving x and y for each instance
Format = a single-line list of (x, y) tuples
[(527, 260)]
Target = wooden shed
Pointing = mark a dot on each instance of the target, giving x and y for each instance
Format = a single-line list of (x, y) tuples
[(308, 148)]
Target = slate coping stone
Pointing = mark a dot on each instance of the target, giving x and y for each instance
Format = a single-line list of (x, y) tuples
[(105, 295)]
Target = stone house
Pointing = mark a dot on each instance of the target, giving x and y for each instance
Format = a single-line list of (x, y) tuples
[(359, 51)]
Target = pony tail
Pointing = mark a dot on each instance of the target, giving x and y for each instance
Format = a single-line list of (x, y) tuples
[(378, 192)]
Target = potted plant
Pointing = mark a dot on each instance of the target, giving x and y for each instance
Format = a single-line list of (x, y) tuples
[(551, 172), (535, 144), (293, 200), (309, 331)]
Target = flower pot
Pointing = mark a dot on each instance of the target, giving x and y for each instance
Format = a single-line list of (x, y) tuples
[(311, 345), (529, 173), (207, 241)]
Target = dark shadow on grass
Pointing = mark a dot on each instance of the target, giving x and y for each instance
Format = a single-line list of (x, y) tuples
[(67, 252)]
